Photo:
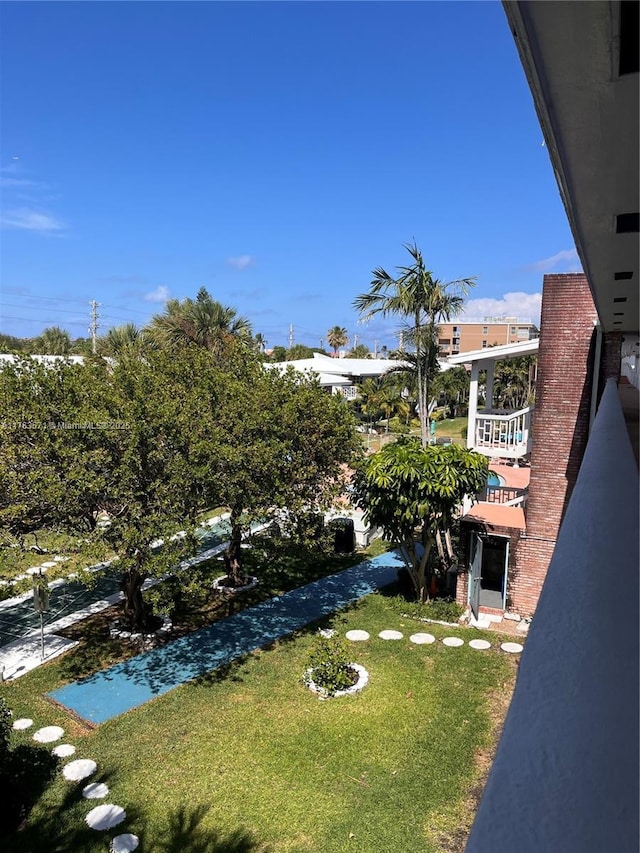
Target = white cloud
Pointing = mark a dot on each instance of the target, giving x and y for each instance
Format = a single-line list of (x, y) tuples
[(160, 294), (525, 306), (565, 261), (241, 262), (31, 220)]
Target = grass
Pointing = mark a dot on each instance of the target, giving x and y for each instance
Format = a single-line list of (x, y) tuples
[(248, 760)]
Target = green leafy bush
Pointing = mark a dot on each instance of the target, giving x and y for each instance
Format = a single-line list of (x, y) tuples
[(440, 609), (328, 666), (399, 426)]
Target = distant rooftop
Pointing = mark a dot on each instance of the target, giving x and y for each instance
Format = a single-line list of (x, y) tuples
[(522, 321)]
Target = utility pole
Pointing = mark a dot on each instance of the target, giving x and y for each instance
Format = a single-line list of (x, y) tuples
[(375, 349), (290, 335), (321, 343), (401, 342), (93, 328), (355, 341)]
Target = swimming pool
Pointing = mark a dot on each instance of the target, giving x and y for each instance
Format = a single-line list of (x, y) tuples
[(494, 480)]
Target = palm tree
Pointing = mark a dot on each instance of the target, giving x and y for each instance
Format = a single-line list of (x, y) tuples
[(204, 322), (122, 339), (54, 341), (260, 342), (369, 400), (422, 301), (336, 338), (453, 385)]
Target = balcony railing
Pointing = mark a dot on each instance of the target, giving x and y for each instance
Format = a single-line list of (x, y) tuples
[(349, 392), (506, 495), (505, 435), (565, 776)]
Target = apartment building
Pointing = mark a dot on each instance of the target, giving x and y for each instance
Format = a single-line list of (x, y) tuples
[(467, 335)]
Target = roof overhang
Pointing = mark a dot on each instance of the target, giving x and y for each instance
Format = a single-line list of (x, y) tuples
[(589, 113), (484, 356)]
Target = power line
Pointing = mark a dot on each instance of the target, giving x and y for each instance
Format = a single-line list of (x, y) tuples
[(41, 322)]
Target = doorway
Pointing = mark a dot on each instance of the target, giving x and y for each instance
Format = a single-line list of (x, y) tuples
[(493, 576)]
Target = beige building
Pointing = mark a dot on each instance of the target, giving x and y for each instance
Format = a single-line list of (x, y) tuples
[(466, 335)]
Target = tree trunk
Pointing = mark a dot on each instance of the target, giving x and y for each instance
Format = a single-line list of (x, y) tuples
[(233, 552), (136, 613)]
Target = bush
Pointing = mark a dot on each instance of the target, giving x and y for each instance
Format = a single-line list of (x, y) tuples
[(396, 425), (328, 666), (440, 609)]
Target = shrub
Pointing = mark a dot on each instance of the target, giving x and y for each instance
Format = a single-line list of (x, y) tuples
[(328, 666), (440, 609), (399, 426)]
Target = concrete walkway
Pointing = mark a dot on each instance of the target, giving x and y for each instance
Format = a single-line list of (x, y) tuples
[(133, 682)]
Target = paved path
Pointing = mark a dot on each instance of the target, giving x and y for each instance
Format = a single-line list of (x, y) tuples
[(133, 682)]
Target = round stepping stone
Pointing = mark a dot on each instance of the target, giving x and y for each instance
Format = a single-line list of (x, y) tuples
[(49, 565), (21, 724), (95, 791), (391, 635), (76, 771), (64, 750), (124, 843), (48, 734), (357, 636), (327, 632), (422, 639), (452, 642), (512, 648), (106, 816), (480, 644)]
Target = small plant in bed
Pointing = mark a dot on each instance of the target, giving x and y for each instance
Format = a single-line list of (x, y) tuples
[(329, 670)]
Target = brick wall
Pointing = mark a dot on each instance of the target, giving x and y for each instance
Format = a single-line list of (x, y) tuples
[(560, 426), (610, 359)]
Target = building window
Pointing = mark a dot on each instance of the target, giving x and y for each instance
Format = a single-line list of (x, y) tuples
[(513, 330), (456, 330), (485, 330), (484, 344)]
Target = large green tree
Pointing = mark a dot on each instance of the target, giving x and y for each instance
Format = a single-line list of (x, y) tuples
[(286, 446), (421, 301), (153, 440), (133, 440), (412, 492)]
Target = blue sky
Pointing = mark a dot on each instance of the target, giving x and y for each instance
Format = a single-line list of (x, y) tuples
[(275, 153)]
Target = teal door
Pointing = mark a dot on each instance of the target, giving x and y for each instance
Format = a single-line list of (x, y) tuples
[(475, 577)]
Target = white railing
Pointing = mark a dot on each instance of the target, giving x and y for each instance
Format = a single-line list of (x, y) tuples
[(349, 392), (506, 435), (505, 495), (565, 776)]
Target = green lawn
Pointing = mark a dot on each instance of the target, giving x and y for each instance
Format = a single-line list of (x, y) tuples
[(250, 760)]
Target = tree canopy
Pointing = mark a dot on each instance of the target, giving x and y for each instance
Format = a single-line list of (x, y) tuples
[(153, 440), (412, 492)]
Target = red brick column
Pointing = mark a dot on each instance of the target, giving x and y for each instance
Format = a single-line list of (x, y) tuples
[(560, 425)]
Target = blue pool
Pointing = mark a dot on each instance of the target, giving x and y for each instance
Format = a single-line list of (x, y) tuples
[(494, 480)]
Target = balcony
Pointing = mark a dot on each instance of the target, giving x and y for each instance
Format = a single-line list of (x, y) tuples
[(506, 435), (565, 776)]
